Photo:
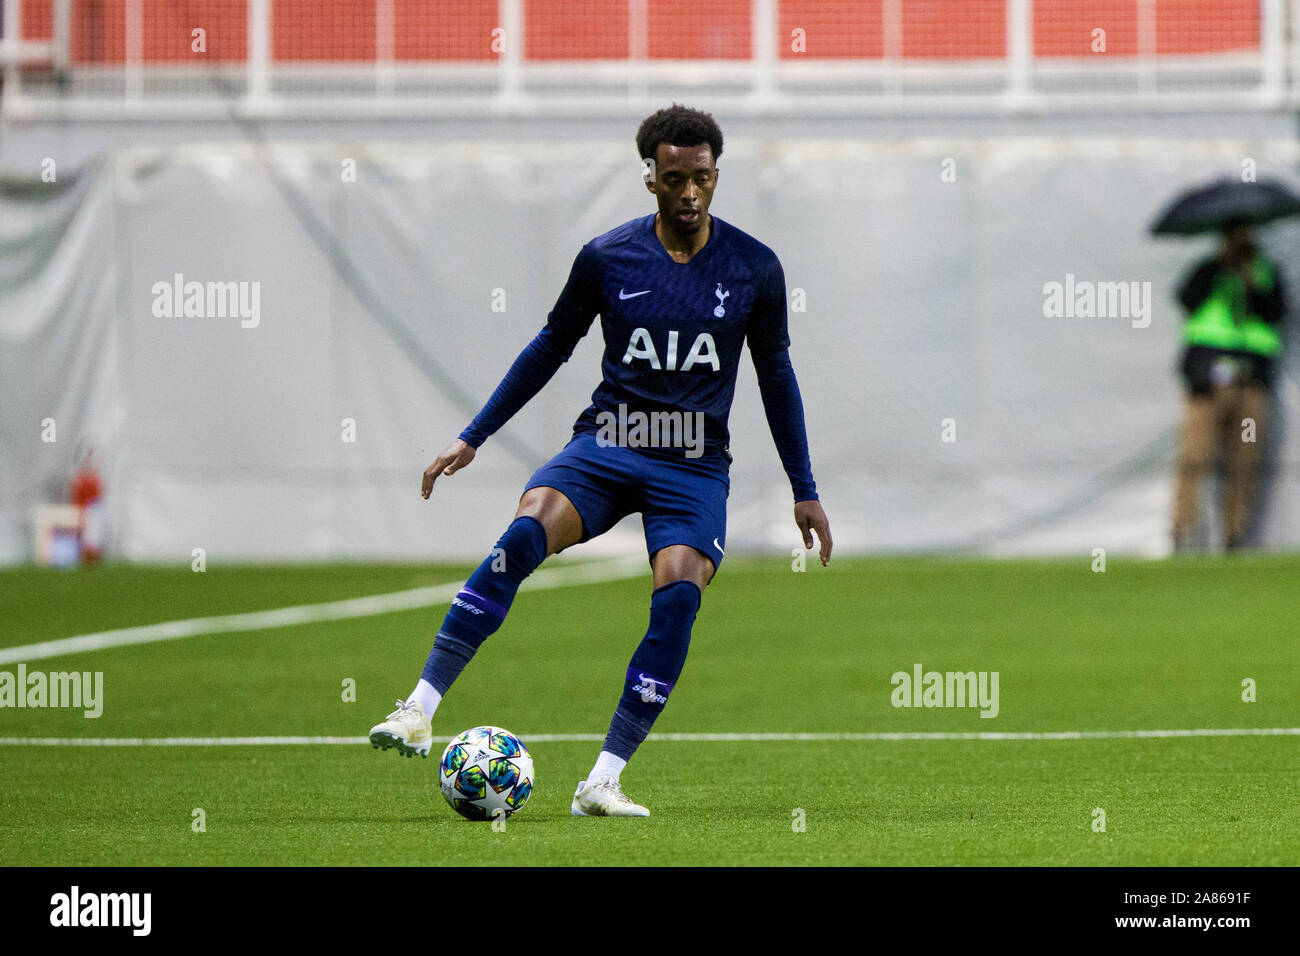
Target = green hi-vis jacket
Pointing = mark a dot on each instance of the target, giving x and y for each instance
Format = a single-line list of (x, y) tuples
[(1226, 314)]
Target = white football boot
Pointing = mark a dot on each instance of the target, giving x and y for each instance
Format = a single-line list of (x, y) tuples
[(603, 797), (406, 728)]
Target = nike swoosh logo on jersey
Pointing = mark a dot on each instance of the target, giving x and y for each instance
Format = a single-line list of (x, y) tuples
[(633, 295), (719, 547)]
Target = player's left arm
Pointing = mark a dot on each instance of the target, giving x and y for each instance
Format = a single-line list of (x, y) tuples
[(769, 346)]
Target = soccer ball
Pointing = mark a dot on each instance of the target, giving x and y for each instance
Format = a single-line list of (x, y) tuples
[(486, 774)]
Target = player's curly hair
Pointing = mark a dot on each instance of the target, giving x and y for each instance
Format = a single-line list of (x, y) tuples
[(678, 126)]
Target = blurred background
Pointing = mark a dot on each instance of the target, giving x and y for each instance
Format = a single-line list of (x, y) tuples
[(380, 199)]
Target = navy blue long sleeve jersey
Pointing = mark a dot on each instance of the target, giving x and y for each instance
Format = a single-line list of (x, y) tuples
[(673, 338)]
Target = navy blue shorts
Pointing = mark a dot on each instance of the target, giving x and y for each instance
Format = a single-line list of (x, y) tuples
[(681, 500)]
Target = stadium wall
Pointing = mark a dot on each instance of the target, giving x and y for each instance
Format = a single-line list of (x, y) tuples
[(398, 300)]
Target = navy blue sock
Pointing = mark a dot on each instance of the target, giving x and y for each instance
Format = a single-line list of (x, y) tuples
[(481, 605), (655, 666)]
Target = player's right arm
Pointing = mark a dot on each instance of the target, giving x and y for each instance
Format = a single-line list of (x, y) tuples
[(568, 322), (458, 454)]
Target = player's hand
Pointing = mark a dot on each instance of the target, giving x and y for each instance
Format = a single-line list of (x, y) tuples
[(457, 456), (810, 517)]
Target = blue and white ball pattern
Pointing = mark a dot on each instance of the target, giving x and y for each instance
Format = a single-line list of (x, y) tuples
[(486, 773)]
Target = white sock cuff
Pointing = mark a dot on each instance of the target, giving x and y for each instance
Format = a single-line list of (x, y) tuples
[(607, 765), (425, 695)]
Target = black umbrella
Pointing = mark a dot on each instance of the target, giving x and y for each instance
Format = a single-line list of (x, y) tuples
[(1210, 208)]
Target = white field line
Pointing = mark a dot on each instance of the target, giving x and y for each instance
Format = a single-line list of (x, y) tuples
[(589, 573), (684, 737)]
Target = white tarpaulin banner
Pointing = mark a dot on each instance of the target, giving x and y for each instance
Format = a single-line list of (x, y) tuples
[(360, 304)]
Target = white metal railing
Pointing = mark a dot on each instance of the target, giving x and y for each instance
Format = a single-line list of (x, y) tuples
[(1020, 51), (258, 88), (766, 82)]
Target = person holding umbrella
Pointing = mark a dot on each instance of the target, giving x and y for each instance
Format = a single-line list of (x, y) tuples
[(1235, 306)]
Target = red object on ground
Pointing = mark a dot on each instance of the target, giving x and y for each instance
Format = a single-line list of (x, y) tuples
[(85, 491)]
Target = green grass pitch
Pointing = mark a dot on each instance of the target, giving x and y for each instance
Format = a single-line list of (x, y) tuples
[(1144, 646)]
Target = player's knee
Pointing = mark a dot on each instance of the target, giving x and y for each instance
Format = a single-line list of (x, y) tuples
[(676, 599), (521, 548), (534, 504), (682, 563), (701, 574), (555, 513)]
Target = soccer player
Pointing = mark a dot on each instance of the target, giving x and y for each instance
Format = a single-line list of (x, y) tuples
[(678, 293)]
